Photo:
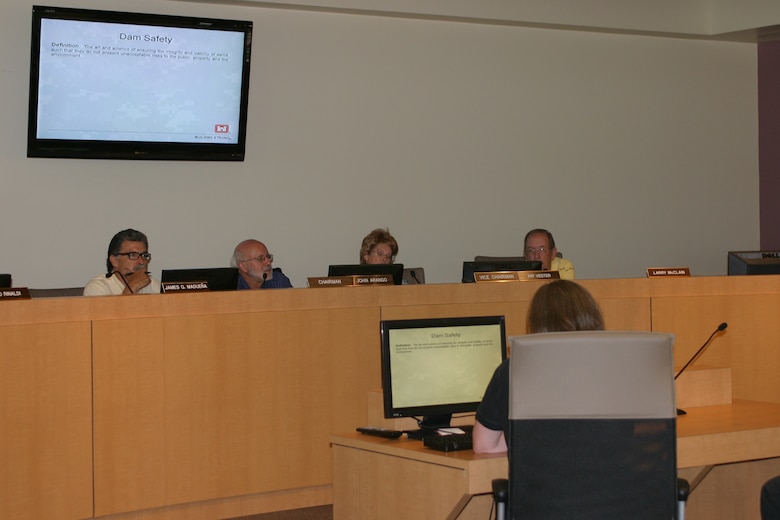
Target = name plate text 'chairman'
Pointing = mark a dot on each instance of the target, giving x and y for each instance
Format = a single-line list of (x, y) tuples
[(345, 281)]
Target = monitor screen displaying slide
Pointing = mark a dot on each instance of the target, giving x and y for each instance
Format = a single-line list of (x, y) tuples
[(439, 366), (100, 78)]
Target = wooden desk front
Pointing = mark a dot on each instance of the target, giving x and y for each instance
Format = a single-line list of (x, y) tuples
[(212, 405), (388, 479)]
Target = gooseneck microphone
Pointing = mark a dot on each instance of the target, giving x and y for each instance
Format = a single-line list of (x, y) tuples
[(413, 274), (720, 328)]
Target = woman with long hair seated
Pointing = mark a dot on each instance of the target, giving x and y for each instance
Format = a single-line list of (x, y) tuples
[(559, 306)]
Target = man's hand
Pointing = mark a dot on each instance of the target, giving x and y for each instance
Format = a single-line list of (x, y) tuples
[(137, 280)]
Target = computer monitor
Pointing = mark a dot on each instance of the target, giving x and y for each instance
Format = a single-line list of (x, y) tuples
[(218, 278), (5, 280), (435, 367), (469, 268), (394, 270), (754, 262)]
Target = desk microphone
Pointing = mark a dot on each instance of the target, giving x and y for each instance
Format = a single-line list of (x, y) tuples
[(720, 328), (413, 274)]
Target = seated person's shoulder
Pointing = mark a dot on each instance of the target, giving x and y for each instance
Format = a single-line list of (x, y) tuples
[(98, 286), (280, 280), (101, 285), (564, 266)]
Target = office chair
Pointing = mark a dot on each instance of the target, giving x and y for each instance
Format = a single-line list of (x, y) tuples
[(506, 258), (499, 258), (592, 428), (56, 293)]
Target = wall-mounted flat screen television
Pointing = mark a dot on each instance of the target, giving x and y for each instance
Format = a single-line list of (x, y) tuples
[(117, 85)]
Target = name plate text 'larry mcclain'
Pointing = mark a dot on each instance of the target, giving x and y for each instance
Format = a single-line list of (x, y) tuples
[(346, 281), (515, 276), (194, 286), (652, 272)]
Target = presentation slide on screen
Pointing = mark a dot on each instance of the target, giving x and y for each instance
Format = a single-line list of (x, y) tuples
[(443, 365), (107, 81)]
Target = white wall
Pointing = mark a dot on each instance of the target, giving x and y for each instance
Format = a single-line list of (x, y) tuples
[(677, 16), (737, 15), (635, 151)]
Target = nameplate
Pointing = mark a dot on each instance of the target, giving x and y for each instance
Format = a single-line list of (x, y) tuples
[(515, 276), (15, 293), (345, 281), (194, 286), (653, 272)]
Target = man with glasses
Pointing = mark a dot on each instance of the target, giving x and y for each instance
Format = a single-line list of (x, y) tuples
[(126, 267), (540, 245), (255, 267)]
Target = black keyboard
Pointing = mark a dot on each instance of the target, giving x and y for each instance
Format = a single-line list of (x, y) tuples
[(452, 442)]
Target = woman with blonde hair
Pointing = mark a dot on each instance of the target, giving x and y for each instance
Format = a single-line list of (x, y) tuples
[(378, 247)]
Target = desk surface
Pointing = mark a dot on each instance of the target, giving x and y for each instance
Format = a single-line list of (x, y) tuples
[(744, 430), (411, 448), (706, 436)]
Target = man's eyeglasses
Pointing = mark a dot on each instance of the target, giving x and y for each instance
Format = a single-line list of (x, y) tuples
[(533, 250), (261, 258), (135, 256)]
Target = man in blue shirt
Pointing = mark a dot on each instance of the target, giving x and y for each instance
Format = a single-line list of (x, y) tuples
[(255, 267)]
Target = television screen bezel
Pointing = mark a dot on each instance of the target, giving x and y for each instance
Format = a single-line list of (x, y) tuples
[(394, 270), (116, 149), (391, 411), (471, 267)]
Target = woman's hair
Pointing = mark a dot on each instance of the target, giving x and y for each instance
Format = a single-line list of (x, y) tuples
[(563, 305), (376, 237)]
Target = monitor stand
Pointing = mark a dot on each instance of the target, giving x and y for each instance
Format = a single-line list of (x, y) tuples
[(429, 425)]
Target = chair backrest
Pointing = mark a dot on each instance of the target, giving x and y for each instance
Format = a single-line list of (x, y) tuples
[(506, 258), (56, 293), (592, 426), (499, 258)]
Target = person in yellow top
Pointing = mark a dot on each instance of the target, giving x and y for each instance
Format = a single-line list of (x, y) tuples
[(540, 245)]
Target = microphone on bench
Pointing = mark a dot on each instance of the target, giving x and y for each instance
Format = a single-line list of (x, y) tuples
[(720, 328)]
